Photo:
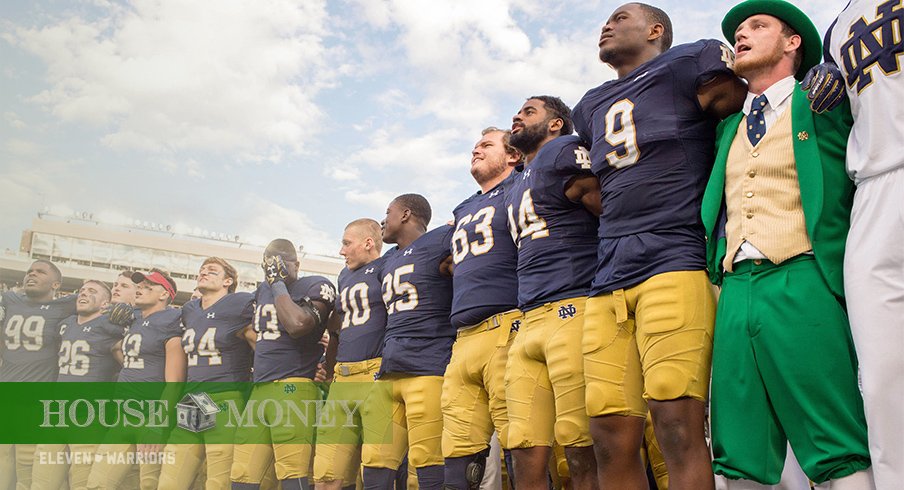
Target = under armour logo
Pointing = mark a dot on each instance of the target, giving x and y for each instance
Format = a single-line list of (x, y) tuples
[(146, 324), (638, 77), (516, 325), (271, 269), (526, 174), (369, 271), (86, 328), (289, 388), (45, 307), (493, 194), (408, 252), (212, 314), (567, 311)]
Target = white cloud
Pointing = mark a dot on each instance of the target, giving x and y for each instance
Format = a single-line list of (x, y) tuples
[(167, 76), (265, 220)]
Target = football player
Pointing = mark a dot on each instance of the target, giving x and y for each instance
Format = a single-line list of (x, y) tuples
[(217, 328), (29, 347), (123, 288), (866, 42), (152, 352), (551, 202), (417, 291), (485, 313), (87, 341), (357, 326), (289, 320), (649, 323)]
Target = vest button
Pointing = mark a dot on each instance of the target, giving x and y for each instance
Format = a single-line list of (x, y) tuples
[(755, 154), (757, 262), (749, 194), (751, 174)]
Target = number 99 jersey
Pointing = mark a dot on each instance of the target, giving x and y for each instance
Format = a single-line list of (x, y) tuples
[(211, 341), (360, 304), (652, 149), (31, 337), (556, 238)]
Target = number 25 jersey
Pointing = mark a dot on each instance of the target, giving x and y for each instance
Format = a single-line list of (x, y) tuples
[(651, 145)]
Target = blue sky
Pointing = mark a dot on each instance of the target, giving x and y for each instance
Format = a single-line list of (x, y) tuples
[(280, 118)]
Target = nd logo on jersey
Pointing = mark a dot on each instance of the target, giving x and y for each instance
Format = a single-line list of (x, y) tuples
[(875, 43)]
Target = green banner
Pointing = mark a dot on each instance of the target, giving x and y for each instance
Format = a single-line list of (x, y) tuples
[(191, 413)]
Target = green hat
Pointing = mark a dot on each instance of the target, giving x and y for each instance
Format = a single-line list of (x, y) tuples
[(811, 41)]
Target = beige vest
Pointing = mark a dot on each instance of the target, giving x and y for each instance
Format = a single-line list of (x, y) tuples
[(762, 195)]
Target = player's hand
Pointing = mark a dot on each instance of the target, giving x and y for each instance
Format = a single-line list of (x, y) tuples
[(121, 314), (825, 87), (322, 376), (275, 269), (324, 339)]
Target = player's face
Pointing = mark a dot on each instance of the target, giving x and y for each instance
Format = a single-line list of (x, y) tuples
[(624, 35), (91, 298), (212, 278), (124, 290), (149, 294), (355, 248), (759, 44), (530, 126), (39, 280), (392, 223), (488, 158)]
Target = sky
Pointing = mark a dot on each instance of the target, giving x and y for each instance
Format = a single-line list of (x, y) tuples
[(281, 118)]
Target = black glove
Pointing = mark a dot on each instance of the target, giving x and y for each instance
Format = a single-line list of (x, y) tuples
[(121, 314), (825, 86), (275, 269)]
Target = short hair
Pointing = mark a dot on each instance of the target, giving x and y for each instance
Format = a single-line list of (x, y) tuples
[(656, 15), (283, 247), (789, 31), (102, 285), (555, 108), (418, 206), (227, 268), (56, 270), (370, 228), (127, 273), (166, 275), (506, 140)]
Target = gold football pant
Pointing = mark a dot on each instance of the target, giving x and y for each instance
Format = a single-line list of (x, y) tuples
[(338, 452), (114, 462), (474, 386), (48, 473)]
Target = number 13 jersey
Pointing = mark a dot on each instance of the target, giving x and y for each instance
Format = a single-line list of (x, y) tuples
[(651, 145)]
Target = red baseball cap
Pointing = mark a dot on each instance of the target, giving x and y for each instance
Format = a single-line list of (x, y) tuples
[(156, 278)]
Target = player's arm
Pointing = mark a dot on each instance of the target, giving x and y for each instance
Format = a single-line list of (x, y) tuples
[(249, 335), (116, 350), (298, 319), (447, 266), (585, 189), (332, 348), (176, 363), (722, 95)]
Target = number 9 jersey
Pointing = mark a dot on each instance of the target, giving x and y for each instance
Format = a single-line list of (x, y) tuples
[(651, 146)]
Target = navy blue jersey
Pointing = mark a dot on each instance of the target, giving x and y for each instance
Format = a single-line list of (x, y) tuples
[(144, 346), (485, 280), (31, 337), (360, 304), (276, 354), (556, 238), (652, 149), (86, 349), (211, 340), (418, 300)]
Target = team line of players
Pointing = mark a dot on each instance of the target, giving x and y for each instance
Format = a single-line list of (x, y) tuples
[(570, 295)]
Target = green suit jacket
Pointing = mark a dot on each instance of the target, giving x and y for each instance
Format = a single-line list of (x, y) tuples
[(826, 192)]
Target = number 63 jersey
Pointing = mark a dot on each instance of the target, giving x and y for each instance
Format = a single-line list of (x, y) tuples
[(651, 146), (31, 337), (556, 238)]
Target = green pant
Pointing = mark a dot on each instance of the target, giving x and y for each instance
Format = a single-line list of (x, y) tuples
[(784, 370)]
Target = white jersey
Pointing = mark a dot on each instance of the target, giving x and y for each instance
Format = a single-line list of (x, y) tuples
[(866, 43)]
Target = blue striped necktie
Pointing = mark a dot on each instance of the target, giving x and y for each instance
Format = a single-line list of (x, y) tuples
[(756, 120)]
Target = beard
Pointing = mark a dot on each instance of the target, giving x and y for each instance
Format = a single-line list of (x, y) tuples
[(750, 64), (529, 138), (488, 172)]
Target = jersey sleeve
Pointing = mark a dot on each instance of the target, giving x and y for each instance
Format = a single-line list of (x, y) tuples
[(174, 328), (447, 242), (581, 123), (713, 58), (322, 290), (573, 159), (111, 335)]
